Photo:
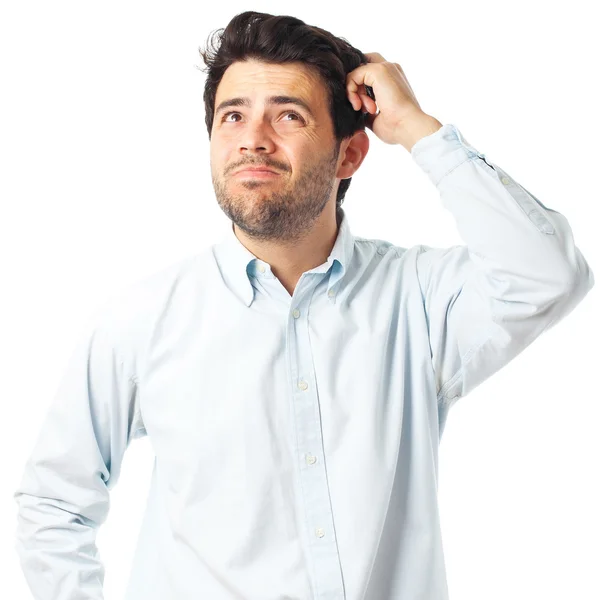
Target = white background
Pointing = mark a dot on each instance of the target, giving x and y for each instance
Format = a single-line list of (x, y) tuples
[(105, 178)]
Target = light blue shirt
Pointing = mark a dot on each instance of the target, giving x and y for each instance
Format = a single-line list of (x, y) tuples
[(295, 437)]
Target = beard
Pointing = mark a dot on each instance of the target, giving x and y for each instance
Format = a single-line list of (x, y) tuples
[(265, 209)]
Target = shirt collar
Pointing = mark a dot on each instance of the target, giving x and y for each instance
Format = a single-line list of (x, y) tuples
[(237, 264)]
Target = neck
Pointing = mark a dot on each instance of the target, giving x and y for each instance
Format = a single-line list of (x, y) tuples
[(289, 260)]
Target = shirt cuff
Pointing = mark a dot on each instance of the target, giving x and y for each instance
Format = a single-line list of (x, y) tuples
[(442, 151)]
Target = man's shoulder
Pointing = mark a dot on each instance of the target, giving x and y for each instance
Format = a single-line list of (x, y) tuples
[(389, 249)]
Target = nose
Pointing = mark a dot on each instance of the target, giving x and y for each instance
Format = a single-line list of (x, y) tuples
[(255, 137)]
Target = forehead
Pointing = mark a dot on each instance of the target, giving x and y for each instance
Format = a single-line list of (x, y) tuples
[(245, 78)]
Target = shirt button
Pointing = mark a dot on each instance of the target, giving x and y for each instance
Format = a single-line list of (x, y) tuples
[(319, 532), (310, 459), (296, 313), (261, 268), (331, 293), (505, 180), (303, 385)]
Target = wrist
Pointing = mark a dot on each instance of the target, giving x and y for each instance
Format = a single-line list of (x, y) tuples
[(416, 129)]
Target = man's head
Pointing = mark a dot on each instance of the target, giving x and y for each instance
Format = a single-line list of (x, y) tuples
[(310, 147)]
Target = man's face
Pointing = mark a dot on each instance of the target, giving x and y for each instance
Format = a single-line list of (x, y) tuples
[(300, 148)]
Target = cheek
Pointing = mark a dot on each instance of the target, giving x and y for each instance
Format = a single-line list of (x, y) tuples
[(219, 159)]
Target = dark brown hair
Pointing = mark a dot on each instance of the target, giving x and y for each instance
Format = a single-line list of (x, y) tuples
[(283, 39)]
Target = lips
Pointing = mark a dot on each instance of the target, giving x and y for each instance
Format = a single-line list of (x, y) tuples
[(256, 175), (256, 170)]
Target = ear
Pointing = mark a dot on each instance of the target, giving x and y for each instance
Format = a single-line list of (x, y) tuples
[(354, 153)]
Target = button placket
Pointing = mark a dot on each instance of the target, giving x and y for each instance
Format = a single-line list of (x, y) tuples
[(315, 496)]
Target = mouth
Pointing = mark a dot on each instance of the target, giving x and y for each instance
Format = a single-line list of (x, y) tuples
[(260, 173)]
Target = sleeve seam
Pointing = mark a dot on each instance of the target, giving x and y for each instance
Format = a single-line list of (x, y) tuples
[(467, 159)]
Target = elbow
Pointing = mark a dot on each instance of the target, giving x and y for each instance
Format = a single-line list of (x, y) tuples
[(581, 281)]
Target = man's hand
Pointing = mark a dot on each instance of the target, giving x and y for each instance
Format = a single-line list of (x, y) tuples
[(400, 119)]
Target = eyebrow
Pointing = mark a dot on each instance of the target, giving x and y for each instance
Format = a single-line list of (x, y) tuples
[(271, 100)]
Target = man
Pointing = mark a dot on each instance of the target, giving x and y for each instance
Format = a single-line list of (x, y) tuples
[(294, 380)]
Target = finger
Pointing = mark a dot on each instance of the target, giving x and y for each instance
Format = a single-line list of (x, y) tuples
[(354, 100), (368, 103), (355, 92), (369, 121), (354, 80)]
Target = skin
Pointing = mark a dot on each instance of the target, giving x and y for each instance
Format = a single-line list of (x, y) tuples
[(288, 221)]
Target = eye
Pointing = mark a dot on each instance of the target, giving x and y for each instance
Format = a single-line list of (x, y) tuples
[(289, 112)]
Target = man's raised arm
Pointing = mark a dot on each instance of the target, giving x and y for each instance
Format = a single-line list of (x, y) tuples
[(518, 274)]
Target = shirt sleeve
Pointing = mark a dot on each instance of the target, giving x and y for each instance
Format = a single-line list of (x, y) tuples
[(63, 496), (518, 274)]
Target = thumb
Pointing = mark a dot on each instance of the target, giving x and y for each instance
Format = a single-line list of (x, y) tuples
[(370, 118)]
